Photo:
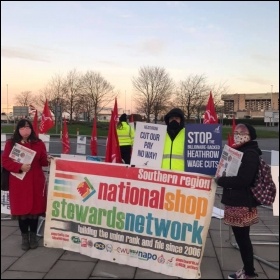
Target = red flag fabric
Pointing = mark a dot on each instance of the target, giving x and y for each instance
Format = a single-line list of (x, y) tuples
[(230, 140), (131, 119), (93, 139), (116, 112), (230, 136), (233, 125), (46, 121), (35, 124), (65, 139), (210, 116), (113, 153)]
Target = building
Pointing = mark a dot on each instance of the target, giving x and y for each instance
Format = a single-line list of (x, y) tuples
[(250, 105)]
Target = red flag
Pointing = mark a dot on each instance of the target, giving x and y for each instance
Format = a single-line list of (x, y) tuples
[(230, 140), (116, 112), (47, 121), (65, 139), (233, 125), (210, 113), (113, 153), (35, 124), (131, 119), (230, 136), (93, 139)]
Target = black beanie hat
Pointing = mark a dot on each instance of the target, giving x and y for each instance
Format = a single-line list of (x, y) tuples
[(176, 112), (252, 131), (123, 118)]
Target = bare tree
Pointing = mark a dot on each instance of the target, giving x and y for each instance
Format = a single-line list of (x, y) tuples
[(191, 95), (55, 93), (99, 92), (25, 98), (72, 89), (153, 90)]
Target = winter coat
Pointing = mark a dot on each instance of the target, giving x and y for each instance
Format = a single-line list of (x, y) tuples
[(125, 134), (27, 196), (236, 189)]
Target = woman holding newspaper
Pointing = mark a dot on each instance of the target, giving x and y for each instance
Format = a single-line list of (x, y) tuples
[(240, 207), (24, 155)]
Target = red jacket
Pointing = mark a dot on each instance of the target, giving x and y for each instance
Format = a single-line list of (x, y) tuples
[(27, 196)]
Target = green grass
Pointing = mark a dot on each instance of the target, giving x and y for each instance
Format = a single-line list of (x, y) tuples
[(102, 130)]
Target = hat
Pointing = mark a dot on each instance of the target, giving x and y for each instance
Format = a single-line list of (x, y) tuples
[(176, 112), (252, 131), (123, 118)]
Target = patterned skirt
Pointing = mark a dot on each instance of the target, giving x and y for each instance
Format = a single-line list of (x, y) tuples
[(240, 216)]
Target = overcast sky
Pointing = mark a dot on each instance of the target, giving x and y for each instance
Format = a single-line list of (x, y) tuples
[(236, 43)]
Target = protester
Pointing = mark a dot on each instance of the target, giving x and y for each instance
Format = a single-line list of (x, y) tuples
[(240, 207), (126, 137), (27, 196), (173, 153)]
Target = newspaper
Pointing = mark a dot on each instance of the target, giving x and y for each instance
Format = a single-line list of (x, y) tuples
[(229, 162), (21, 154)]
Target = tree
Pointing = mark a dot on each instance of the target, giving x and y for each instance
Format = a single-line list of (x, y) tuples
[(55, 93), (191, 95), (154, 89), (72, 90), (25, 98), (97, 92)]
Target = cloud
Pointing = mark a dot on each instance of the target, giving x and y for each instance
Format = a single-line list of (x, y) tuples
[(152, 47), (10, 52)]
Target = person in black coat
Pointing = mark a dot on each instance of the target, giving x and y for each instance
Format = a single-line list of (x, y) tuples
[(240, 206)]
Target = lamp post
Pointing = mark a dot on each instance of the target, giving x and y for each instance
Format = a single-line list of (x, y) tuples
[(7, 102)]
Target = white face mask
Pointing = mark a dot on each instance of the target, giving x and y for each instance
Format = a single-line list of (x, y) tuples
[(241, 138)]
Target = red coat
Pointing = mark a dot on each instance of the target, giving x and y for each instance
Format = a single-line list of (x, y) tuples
[(27, 196)]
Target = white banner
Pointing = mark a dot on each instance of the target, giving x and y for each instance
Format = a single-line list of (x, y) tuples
[(275, 177), (148, 145), (3, 141), (81, 144), (46, 139), (148, 218)]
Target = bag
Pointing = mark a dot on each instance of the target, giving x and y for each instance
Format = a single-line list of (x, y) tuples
[(264, 190), (5, 174)]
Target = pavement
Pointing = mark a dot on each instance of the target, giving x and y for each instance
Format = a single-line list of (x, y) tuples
[(221, 257)]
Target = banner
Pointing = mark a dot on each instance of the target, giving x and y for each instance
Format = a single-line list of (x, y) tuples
[(203, 148), (148, 145), (81, 144), (148, 218)]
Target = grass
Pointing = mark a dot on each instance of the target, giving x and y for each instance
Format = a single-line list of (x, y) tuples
[(102, 130)]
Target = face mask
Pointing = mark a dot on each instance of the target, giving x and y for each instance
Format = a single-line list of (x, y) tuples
[(174, 125), (241, 139), (25, 133)]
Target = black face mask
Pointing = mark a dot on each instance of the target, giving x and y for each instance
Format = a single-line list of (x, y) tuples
[(174, 125)]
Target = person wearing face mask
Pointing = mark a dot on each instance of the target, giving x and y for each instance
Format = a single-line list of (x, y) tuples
[(240, 206), (173, 153), (27, 196)]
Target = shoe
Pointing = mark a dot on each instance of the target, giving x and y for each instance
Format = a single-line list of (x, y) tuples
[(25, 241), (33, 240), (240, 274)]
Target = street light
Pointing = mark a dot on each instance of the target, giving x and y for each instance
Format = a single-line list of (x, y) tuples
[(7, 102)]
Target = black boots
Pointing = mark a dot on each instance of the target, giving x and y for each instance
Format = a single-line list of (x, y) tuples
[(29, 241), (25, 241), (33, 240)]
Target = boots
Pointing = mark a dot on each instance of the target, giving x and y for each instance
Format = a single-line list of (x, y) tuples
[(25, 241), (33, 240)]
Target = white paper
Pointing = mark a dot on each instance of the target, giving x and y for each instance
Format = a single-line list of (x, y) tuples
[(229, 162), (23, 155), (148, 145), (3, 141)]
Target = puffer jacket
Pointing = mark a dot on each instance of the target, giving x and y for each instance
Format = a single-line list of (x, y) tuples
[(236, 189)]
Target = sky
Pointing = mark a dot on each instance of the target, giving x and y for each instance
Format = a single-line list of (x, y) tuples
[(235, 43)]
